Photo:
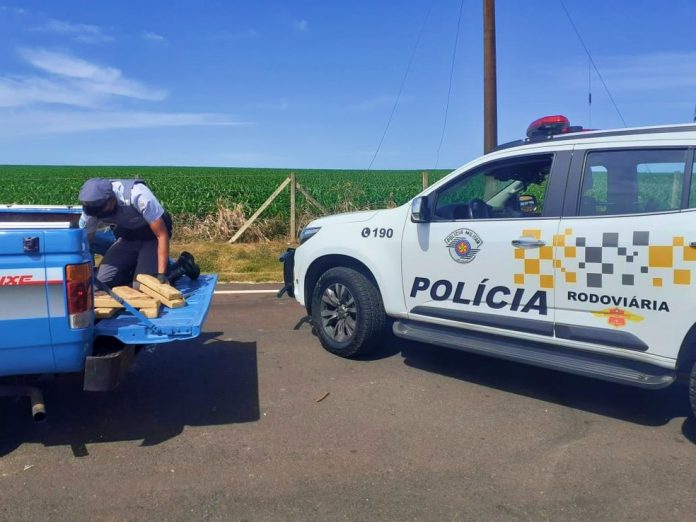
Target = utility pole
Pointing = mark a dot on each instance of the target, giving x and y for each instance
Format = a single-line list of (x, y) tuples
[(490, 96)]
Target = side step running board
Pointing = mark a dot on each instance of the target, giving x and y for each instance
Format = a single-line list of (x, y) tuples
[(579, 362)]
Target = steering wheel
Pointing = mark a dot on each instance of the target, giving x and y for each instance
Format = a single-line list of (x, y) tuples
[(477, 209)]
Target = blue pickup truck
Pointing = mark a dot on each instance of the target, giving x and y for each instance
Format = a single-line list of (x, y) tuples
[(47, 323)]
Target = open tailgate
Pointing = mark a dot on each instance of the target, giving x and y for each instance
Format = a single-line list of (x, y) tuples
[(174, 324)]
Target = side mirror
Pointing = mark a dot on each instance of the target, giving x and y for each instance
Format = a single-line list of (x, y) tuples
[(528, 204), (420, 212)]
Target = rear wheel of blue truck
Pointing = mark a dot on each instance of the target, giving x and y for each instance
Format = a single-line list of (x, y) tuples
[(347, 313)]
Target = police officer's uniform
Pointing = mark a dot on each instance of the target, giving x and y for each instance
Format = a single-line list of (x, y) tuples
[(135, 250)]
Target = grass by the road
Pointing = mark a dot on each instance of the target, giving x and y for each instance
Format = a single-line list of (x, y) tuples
[(243, 262)]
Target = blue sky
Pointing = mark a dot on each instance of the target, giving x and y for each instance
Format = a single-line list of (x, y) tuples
[(311, 84)]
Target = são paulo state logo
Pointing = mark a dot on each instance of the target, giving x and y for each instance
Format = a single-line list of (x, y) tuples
[(463, 245)]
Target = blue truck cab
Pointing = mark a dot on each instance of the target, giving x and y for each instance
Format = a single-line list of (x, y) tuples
[(47, 323)]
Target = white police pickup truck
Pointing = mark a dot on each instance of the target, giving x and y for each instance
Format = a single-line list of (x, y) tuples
[(570, 250)]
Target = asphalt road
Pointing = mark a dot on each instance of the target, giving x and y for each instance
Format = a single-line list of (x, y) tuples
[(230, 427)]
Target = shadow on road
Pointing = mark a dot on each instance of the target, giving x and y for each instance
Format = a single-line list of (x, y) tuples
[(205, 382), (646, 407)]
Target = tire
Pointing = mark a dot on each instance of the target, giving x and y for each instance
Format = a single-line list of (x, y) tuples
[(692, 389), (347, 313)]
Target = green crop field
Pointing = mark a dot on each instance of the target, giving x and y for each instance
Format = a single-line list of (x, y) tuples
[(198, 190)]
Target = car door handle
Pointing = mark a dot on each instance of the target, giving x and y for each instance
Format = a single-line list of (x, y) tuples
[(528, 242)]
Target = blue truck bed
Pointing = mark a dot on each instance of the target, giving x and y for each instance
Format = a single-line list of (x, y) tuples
[(174, 324)]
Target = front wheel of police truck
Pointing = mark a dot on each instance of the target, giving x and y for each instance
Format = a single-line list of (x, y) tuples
[(347, 312), (339, 291)]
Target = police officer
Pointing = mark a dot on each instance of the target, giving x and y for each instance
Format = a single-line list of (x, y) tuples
[(142, 228)]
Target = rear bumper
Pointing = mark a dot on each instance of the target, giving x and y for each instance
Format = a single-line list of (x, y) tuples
[(288, 260)]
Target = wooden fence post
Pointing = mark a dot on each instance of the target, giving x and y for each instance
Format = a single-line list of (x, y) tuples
[(309, 198), (424, 180), (260, 210), (293, 207)]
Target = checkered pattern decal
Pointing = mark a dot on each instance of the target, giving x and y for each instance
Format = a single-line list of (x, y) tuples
[(536, 263), (582, 261)]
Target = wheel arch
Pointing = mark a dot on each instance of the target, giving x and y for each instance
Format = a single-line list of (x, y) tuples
[(324, 263), (687, 352)]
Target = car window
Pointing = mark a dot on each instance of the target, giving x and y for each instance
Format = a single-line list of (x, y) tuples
[(692, 192), (498, 190), (632, 182)]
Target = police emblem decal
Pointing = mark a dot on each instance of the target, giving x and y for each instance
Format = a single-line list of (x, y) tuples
[(463, 245)]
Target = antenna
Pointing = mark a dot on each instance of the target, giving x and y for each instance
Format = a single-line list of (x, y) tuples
[(589, 92)]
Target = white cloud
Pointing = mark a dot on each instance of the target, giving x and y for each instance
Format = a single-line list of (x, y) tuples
[(86, 33), (153, 37), (15, 10), (650, 71), (33, 122), (301, 25), (70, 81), (646, 72), (23, 91), (89, 92), (66, 65)]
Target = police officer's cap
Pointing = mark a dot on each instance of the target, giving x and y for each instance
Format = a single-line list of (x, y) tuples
[(95, 192)]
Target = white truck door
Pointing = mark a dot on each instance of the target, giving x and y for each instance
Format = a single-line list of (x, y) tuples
[(484, 260), (627, 270)]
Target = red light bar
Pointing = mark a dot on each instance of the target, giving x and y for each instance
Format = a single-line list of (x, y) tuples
[(548, 126)]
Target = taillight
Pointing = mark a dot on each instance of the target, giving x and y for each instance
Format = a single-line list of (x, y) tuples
[(78, 290)]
